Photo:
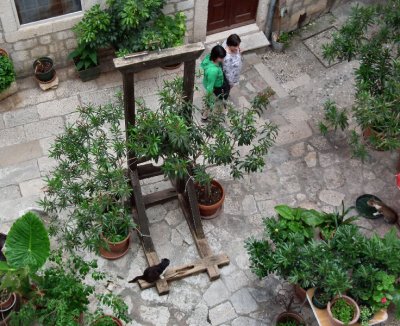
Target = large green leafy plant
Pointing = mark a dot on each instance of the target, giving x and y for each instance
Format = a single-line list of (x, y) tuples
[(371, 35), (56, 294), (367, 268), (130, 26), (89, 185), (7, 74), (188, 147)]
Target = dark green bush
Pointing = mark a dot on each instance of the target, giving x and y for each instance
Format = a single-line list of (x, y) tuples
[(7, 74)]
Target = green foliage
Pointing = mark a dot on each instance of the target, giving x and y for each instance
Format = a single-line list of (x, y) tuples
[(358, 148), (334, 118), (7, 74), (287, 323), (130, 26), (62, 294), (27, 244), (343, 311), (84, 57), (187, 147), (366, 314), (89, 183), (331, 221), (367, 268), (298, 220), (378, 76)]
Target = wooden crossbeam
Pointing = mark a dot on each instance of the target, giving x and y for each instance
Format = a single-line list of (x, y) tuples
[(159, 197), (164, 57), (148, 171), (179, 272)]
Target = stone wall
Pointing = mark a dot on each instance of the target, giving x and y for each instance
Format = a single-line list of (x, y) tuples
[(31, 43), (297, 13)]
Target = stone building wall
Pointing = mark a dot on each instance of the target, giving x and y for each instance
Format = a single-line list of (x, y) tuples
[(300, 12), (55, 38)]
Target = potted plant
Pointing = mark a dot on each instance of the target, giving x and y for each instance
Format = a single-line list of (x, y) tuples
[(8, 86), (188, 148), (106, 320), (285, 297), (377, 90), (90, 184), (44, 70), (331, 221), (147, 28), (86, 62), (343, 310), (279, 41)]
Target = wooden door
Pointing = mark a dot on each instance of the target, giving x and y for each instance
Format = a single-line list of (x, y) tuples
[(227, 14)]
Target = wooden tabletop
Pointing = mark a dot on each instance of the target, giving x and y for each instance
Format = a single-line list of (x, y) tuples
[(323, 318)]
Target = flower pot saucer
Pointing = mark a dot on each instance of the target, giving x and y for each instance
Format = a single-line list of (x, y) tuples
[(110, 256), (216, 214), (364, 209)]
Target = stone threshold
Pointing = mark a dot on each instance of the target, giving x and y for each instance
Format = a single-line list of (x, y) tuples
[(252, 38)]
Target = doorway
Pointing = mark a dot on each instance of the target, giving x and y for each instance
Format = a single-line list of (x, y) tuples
[(228, 14)]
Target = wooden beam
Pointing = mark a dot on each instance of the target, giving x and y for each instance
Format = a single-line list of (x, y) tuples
[(191, 198), (199, 266), (139, 212), (153, 59), (129, 108), (189, 73), (159, 197), (146, 171)]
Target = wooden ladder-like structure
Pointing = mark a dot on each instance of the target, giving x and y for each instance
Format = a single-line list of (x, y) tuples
[(184, 191)]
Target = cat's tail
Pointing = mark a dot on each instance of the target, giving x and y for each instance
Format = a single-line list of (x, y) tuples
[(136, 279)]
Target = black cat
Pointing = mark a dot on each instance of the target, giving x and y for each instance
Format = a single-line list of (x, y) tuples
[(153, 273), (3, 238)]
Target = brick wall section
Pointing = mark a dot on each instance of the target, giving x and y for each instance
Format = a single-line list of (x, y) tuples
[(187, 7)]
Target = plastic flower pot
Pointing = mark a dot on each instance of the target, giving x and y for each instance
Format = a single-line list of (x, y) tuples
[(44, 69), (6, 311), (350, 301), (316, 299), (7, 301), (116, 249)]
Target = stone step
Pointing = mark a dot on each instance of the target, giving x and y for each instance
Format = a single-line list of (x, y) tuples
[(251, 41), (241, 31)]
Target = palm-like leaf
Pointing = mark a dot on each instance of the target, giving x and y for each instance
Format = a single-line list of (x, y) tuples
[(27, 244)]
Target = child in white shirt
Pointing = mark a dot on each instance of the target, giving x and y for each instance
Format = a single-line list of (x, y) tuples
[(232, 65)]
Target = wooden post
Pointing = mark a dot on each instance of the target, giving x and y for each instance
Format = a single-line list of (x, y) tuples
[(129, 108), (188, 79)]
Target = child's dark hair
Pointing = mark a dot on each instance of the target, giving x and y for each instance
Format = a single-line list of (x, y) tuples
[(233, 40), (217, 52)]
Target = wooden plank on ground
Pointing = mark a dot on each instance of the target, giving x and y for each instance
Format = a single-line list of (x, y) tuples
[(159, 197), (321, 315), (179, 272)]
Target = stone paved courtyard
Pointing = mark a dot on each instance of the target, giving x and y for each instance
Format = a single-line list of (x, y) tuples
[(304, 168)]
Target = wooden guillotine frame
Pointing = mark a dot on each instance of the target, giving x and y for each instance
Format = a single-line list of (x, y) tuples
[(183, 191)]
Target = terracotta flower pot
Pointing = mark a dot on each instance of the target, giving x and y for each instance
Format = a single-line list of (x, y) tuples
[(117, 249), (289, 316), (301, 293), (7, 303), (368, 132), (116, 320), (336, 322), (209, 211)]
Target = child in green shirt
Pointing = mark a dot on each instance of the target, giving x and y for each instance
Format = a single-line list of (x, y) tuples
[(214, 79)]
